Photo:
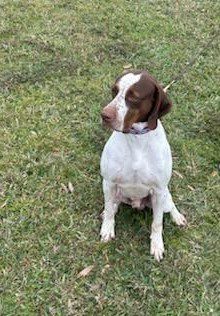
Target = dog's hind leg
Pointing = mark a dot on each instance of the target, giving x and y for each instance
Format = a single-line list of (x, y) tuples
[(170, 207)]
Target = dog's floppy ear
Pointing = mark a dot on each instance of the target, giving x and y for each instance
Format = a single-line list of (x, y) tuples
[(161, 105)]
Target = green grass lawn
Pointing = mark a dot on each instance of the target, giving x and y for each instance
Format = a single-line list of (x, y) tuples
[(58, 60)]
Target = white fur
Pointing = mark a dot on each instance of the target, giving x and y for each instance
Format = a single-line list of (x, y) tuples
[(119, 101), (132, 166)]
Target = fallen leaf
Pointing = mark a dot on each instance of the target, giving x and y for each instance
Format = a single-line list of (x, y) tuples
[(127, 66), (33, 133), (106, 267), (178, 174), (85, 271), (64, 187), (95, 287), (214, 173), (3, 205), (55, 248), (70, 187), (190, 187)]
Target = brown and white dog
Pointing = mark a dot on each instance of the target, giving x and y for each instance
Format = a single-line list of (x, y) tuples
[(136, 162)]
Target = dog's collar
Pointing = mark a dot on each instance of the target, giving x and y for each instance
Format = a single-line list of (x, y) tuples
[(139, 132), (135, 131)]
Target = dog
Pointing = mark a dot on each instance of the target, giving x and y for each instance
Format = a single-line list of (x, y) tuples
[(136, 162)]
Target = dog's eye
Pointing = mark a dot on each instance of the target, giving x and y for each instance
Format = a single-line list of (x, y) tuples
[(132, 99), (114, 91)]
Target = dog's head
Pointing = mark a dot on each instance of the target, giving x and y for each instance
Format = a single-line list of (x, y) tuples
[(138, 101)]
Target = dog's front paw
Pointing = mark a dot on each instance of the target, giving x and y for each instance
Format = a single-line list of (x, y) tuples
[(107, 232), (157, 247)]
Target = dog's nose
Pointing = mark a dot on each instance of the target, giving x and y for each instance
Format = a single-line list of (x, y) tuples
[(108, 114), (106, 117)]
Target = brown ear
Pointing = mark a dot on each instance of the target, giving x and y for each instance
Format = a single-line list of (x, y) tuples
[(161, 105)]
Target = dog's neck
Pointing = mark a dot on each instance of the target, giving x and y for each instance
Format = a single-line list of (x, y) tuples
[(139, 128), (137, 142)]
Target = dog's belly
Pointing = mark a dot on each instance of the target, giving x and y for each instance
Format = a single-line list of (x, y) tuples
[(138, 195), (134, 191)]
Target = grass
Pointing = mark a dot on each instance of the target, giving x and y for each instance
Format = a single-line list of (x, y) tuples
[(57, 62)]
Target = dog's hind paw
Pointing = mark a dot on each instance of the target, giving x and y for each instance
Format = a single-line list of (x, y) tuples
[(178, 218)]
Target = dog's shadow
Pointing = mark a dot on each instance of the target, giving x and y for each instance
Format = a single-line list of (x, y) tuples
[(133, 223)]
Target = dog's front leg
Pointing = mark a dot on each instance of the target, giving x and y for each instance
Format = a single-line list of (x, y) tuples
[(157, 247), (111, 206)]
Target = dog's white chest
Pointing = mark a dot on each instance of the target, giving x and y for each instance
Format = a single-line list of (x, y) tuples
[(137, 163), (136, 169)]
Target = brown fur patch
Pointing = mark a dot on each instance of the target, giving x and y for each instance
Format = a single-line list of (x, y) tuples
[(130, 118), (146, 101)]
